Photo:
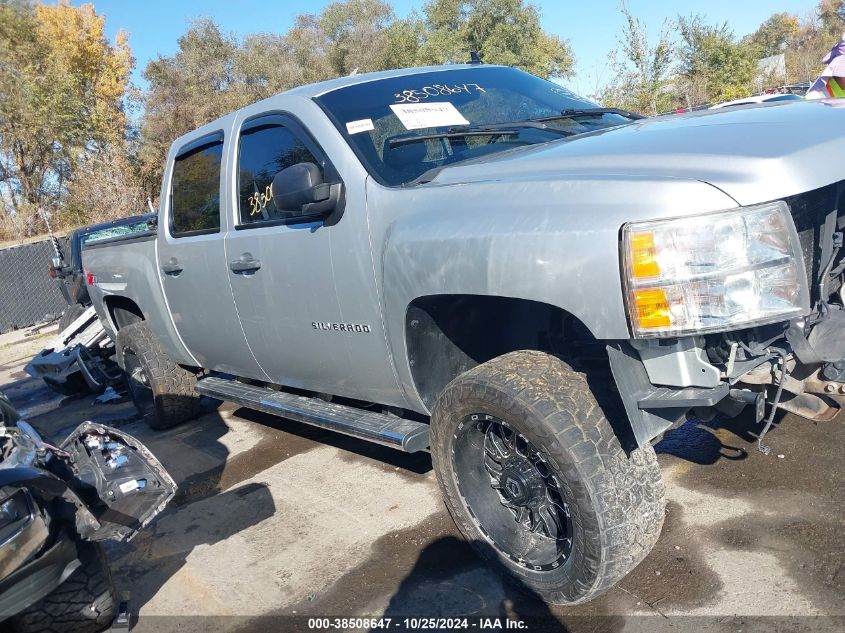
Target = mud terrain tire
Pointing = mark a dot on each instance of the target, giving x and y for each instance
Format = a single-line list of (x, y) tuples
[(84, 603), (163, 392), (615, 500)]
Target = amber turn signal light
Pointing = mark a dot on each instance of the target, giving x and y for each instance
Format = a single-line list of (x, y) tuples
[(643, 256), (651, 308)]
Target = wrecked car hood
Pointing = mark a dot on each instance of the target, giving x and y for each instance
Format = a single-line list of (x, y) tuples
[(752, 153)]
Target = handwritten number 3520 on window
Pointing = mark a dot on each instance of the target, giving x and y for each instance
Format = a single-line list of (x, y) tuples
[(259, 201)]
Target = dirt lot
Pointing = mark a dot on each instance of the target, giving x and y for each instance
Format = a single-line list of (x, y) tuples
[(275, 519)]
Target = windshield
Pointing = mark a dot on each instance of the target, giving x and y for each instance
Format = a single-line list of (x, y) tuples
[(403, 127)]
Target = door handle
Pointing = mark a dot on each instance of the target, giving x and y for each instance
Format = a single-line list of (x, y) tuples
[(246, 263), (172, 267)]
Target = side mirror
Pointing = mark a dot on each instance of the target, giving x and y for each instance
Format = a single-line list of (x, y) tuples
[(300, 189)]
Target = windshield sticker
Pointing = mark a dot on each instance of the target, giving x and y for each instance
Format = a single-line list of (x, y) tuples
[(436, 90), (415, 116), (361, 125)]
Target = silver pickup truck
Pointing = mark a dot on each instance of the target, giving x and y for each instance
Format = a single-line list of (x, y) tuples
[(471, 260)]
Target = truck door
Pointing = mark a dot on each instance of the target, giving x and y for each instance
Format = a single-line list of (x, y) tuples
[(192, 264), (304, 287)]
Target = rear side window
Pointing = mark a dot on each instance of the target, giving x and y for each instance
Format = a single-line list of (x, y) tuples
[(195, 197), (264, 152)]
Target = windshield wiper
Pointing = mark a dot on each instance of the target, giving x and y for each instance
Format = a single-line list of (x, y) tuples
[(453, 133), (575, 113), (503, 129)]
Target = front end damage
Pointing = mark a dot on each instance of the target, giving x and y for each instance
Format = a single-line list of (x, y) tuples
[(81, 354), (99, 484), (795, 365), (106, 480)]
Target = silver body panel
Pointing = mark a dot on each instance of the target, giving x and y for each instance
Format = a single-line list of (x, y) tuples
[(539, 223)]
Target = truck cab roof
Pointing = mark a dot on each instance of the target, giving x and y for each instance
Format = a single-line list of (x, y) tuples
[(322, 87), (309, 91)]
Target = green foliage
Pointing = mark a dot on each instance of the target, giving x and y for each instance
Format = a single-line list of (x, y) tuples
[(500, 31), (775, 35), (353, 31), (213, 73), (640, 80), (713, 65), (710, 64), (62, 86)]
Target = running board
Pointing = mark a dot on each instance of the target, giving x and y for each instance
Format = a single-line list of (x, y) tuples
[(387, 430)]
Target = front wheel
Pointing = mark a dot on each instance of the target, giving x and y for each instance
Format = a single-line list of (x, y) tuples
[(538, 482)]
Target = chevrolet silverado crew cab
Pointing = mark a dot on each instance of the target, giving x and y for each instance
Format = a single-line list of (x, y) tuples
[(471, 260)]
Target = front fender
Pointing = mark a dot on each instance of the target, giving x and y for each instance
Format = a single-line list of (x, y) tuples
[(554, 242)]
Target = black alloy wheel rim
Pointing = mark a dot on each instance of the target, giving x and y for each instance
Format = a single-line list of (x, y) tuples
[(139, 384), (511, 493)]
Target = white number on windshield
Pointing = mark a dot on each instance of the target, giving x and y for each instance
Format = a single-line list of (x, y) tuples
[(435, 90)]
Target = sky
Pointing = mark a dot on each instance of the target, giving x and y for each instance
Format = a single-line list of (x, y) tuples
[(591, 26)]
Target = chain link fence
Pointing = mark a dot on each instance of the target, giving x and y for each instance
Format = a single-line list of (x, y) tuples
[(27, 294)]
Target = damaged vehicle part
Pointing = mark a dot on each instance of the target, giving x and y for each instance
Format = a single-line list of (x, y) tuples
[(57, 503), (80, 358)]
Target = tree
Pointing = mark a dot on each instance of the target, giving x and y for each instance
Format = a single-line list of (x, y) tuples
[(816, 36), (106, 187), (775, 35), (213, 73), (62, 86), (500, 31), (713, 65), (403, 40), (187, 90), (640, 80), (831, 14), (354, 31)]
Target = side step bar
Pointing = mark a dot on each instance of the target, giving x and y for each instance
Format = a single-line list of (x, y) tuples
[(388, 430)]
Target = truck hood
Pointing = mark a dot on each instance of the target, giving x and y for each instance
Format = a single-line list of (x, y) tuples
[(753, 153)]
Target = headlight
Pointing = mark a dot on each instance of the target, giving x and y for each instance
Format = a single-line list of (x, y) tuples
[(717, 271)]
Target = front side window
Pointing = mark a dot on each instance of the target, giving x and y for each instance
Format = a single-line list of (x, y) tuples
[(264, 151), (195, 198)]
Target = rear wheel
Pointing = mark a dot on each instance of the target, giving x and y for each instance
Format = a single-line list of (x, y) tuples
[(71, 314), (536, 479), (84, 603), (163, 392)]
